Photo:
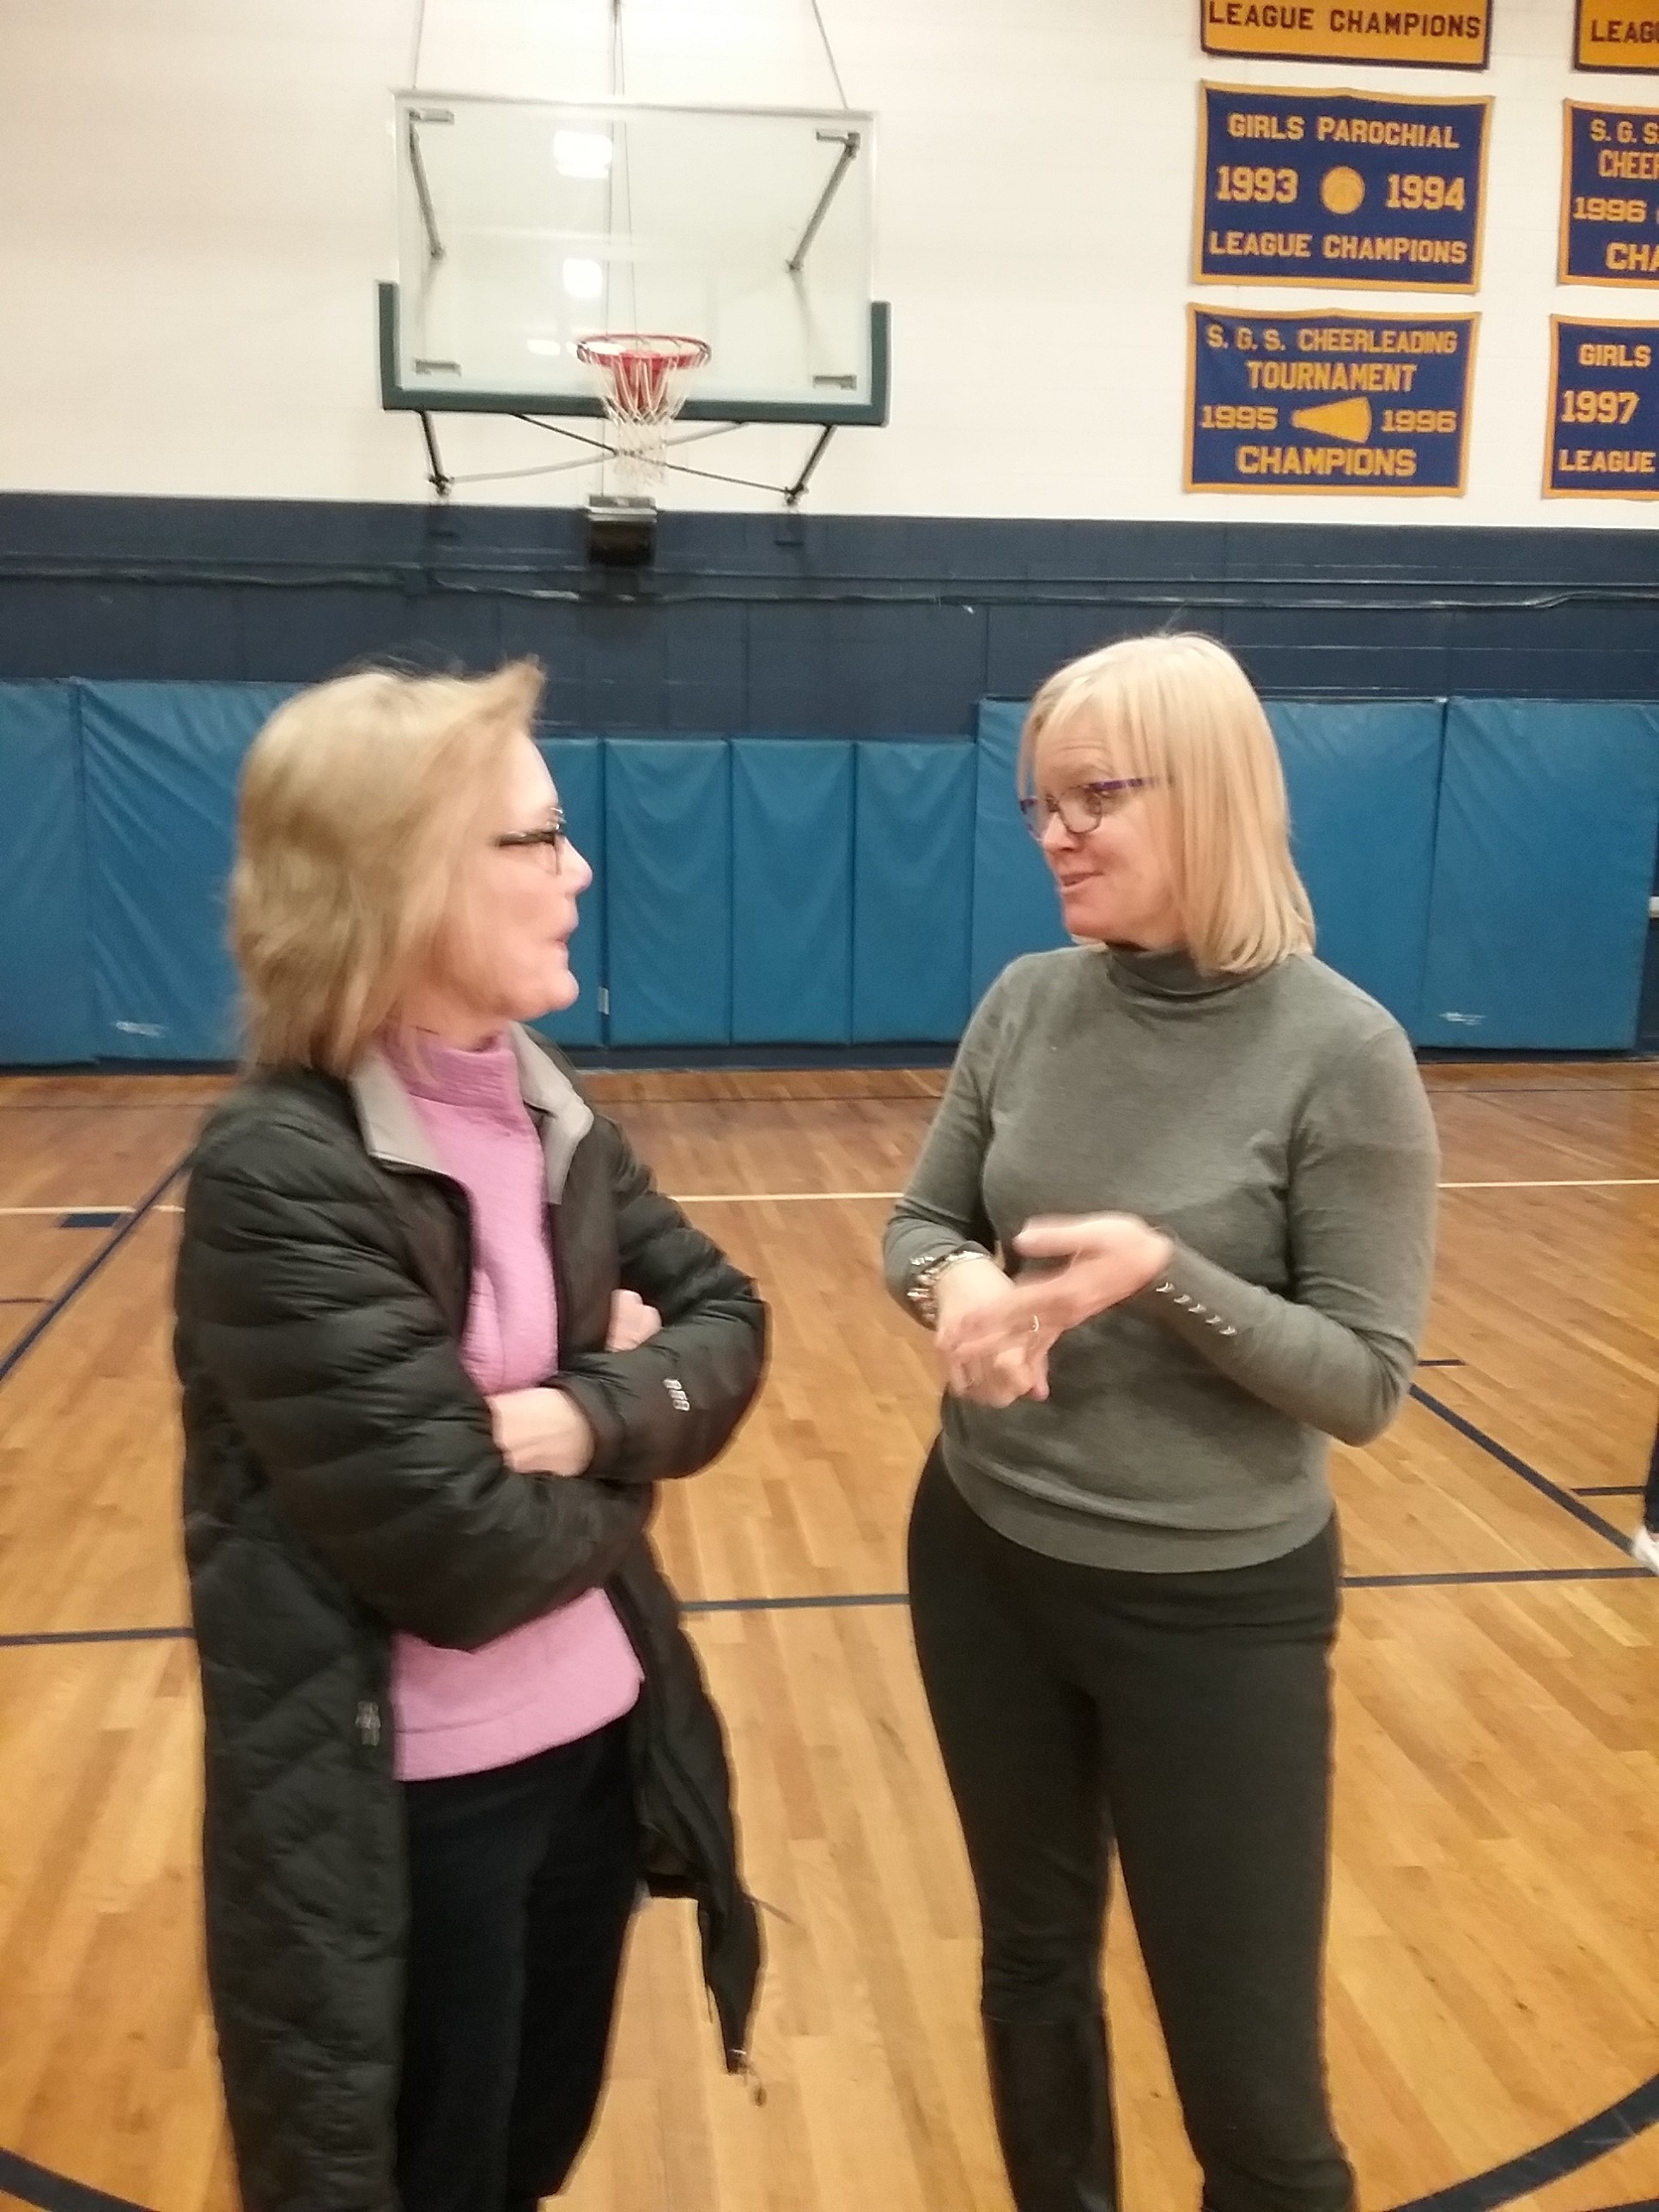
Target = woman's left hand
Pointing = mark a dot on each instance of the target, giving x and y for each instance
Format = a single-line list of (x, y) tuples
[(1105, 1258)]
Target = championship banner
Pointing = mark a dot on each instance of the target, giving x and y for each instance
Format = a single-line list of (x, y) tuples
[(1363, 189), (1617, 34), (1332, 401), (1610, 195), (1315, 31), (1604, 410)]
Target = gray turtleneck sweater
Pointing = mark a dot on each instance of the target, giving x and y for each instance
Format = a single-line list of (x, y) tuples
[(1275, 1127)]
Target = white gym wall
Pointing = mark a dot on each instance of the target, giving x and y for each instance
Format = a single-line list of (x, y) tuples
[(196, 204)]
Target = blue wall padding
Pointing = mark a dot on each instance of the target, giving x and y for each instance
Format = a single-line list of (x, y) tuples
[(46, 998), (1365, 787), (1543, 864), (1016, 908), (161, 765), (577, 765), (913, 866), (668, 889), (1483, 870), (792, 890)]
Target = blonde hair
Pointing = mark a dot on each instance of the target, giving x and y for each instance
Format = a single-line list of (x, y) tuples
[(1180, 712), (360, 800)]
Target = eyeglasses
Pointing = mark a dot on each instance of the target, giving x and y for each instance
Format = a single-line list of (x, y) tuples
[(551, 836), (1084, 807)]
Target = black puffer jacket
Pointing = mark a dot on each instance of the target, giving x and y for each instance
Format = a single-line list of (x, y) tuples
[(341, 1481)]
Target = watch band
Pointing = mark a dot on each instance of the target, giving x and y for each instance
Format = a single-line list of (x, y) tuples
[(922, 1290)]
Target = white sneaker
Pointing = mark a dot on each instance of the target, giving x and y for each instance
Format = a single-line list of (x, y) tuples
[(1644, 1549)]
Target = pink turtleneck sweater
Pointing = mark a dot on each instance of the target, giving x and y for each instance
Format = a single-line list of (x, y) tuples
[(570, 1672)]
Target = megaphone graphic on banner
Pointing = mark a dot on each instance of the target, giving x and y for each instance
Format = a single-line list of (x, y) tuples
[(1343, 418)]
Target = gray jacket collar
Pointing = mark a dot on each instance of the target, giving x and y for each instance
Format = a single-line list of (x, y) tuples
[(392, 1129)]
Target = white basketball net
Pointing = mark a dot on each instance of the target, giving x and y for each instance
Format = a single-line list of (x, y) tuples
[(642, 378)]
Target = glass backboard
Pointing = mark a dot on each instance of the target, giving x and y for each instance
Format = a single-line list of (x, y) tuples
[(524, 227)]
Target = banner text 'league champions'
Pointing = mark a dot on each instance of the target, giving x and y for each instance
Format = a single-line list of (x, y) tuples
[(1366, 190), (1322, 31)]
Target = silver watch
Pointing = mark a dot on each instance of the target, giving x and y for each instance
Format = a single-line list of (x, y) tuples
[(920, 1291)]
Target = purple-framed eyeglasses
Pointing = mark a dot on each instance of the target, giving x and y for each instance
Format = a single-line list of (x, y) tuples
[(1083, 806), (551, 836)]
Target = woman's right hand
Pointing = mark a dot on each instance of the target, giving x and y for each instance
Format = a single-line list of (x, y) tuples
[(977, 1302), (541, 1431), (632, 1322)]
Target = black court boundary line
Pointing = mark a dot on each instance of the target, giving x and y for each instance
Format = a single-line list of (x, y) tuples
[(77, 1282), (845, 1600), (1444, 1090), (55, 2192), (1564, 2155), (1541, 1483), (49, 1636), (1553, 2161)]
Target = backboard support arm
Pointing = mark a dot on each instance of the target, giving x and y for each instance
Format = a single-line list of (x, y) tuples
[(434, 245), (850, 143), (441, 482), (796, 491)]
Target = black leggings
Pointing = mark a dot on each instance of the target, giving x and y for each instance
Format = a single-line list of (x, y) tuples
[(1184, 1719), (522, 1882)]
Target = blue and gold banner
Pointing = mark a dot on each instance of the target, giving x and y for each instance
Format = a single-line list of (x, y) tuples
[(1339, 188), (1616, 35), (1323, 31), (1610, 195), (1333, 401), (1604, 410)]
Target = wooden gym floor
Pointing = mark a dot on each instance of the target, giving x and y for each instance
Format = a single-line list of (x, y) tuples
[(1495, 1953)]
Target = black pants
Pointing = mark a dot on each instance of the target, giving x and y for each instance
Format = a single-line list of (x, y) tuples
[(1185, 1720), (522, 1881), (1650, 1498)]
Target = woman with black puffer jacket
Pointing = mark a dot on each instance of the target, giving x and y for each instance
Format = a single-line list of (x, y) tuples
[(439, 1337)]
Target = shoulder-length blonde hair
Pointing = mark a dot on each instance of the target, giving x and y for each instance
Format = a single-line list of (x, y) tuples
[(1180, 712), (360, 800)]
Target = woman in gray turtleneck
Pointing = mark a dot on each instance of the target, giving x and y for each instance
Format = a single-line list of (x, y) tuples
[(1208, 1166)]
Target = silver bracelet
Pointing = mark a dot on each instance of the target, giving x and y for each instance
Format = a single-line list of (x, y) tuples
[(920, 1291)]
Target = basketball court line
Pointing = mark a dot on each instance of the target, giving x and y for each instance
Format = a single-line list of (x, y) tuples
[(1505, 1458), (1527, 1089), (1553, 2161), (1545, 1487), (838, 1197), (1563, 1182), (1613, 2129), (862, 1601), (39, 2186), (781, 1197), (128, 1219)]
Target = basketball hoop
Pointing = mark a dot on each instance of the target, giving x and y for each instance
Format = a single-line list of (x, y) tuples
[(642, 378)]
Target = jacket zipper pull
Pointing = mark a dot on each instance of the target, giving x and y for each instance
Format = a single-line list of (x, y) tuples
[(751, 2075), (368, 1722)]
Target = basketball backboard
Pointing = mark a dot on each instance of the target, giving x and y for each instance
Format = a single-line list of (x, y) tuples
[(524, 227)]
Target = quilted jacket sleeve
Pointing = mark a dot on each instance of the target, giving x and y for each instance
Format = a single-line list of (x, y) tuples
[(671, 1406), (297, 1303)]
